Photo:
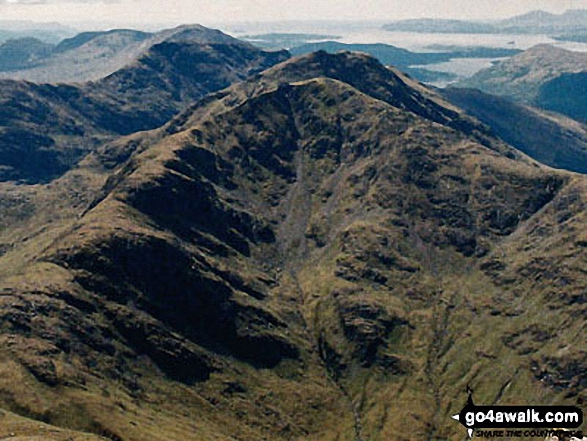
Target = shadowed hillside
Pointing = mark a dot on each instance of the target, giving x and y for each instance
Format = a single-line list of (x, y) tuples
[(552, 139)]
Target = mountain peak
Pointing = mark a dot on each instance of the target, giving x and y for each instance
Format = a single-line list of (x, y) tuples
[(195, 33)]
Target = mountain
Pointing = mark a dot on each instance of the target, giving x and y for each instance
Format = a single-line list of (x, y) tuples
[(326, 250), (536, 77), (83, 57), (570, 21), (534, 22), (552, 139), (92, 56), (45, 129)]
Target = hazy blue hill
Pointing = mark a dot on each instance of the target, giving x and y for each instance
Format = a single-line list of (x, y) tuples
[(540, 21), (385, 53), (86, 56), (566, 94), (47, 32), (429, 25), (549, 138), (80, 39), (23, 53), (534, 22)]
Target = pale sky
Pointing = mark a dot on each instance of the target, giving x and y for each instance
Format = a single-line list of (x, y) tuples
[(227, 11)]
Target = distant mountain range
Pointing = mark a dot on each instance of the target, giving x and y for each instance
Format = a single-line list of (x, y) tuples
[(94, 55), (544, 76), (49, 32), (535, 22), (216, 242), (88, 56), (45, 129)]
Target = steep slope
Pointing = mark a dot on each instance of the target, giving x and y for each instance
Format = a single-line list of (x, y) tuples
[(521, 77), (321, 252), (57, 125), (549, 138)]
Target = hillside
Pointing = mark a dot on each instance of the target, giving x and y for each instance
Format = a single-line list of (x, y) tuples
[(565, 94), (544, 76), (45, 129), (23, 52), (323, 251), (521, 77), (549, 138)]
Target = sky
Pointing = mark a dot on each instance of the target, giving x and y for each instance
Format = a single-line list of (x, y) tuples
[(231, 11)]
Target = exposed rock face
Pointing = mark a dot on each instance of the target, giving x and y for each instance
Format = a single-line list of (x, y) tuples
[(322, 251)]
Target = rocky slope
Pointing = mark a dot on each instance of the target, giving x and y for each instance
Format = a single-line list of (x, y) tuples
[(325, 251), (56, 125)]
